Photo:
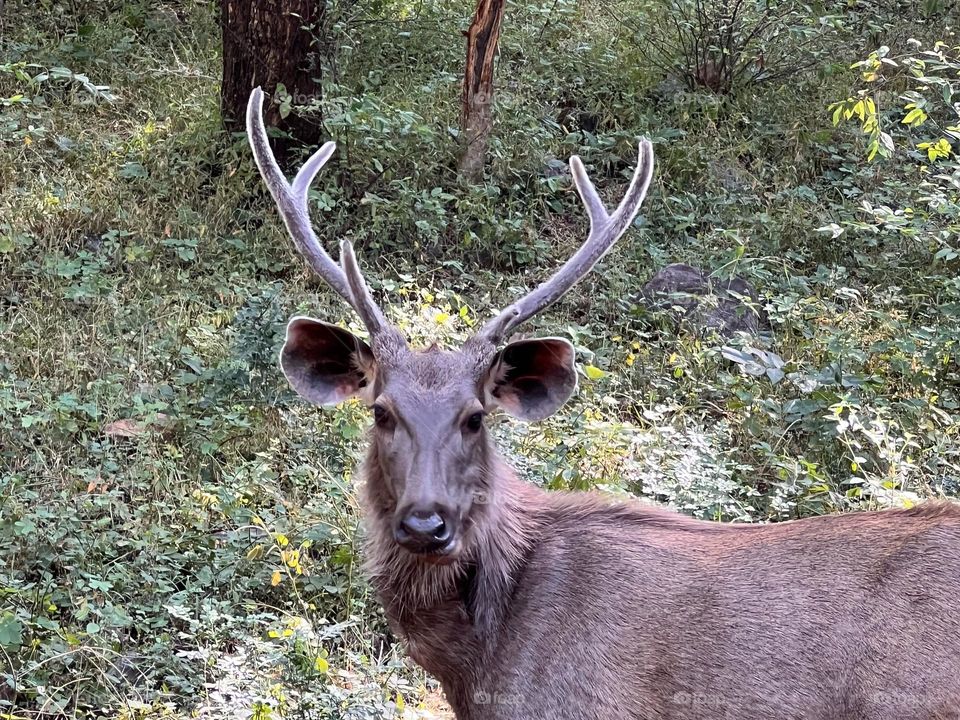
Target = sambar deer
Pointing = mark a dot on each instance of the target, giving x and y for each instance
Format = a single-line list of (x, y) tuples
[(530, 605)]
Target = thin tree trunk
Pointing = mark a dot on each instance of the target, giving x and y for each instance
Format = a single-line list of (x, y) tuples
[(477, 111), (265, 44)]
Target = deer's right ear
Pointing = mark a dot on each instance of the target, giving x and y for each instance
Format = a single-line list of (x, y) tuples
[(324, 363)]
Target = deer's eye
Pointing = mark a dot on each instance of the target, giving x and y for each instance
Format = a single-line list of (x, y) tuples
[(474, 422), (380, 415)]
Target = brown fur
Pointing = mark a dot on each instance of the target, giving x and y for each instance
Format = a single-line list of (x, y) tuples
[(574, 606)]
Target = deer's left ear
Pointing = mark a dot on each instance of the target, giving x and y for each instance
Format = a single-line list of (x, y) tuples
[(531, 379)]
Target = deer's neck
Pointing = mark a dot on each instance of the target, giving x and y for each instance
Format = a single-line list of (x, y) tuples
[(455, 608)]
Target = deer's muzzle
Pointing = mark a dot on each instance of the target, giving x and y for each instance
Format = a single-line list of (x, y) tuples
[(426, 531)]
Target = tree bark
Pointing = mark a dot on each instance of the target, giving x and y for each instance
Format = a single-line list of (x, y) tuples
[(476, 118), (265, 44)]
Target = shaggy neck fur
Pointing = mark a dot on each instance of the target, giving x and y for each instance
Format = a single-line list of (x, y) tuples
[(477, 586)]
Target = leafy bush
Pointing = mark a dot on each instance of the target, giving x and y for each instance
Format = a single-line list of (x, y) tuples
[(719, 45)]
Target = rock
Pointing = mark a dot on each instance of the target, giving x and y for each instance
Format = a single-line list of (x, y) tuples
[(552, 167), (668, 90), (726, 306)]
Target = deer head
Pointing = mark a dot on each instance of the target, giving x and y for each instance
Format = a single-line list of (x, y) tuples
[(429, 441)]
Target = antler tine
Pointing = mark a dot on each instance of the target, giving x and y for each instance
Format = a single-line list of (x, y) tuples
[(605, 230), (363, 303), (291, 200)]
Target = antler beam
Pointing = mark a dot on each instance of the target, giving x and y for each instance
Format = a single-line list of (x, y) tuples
[(605, 230), (291, 200)]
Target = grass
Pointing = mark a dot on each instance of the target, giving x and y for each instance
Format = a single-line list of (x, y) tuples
[(156, 472)]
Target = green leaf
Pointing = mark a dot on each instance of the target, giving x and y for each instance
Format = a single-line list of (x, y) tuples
[(11, 631), (734, 355), (133, 170)]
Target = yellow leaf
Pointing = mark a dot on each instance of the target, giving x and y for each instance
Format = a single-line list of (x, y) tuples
[(401, 704), (255, 553), (630, 358), (275, 578), (837, 113), (441, 318), (594, 373), (282, 540), (915, 117), (321, 665)]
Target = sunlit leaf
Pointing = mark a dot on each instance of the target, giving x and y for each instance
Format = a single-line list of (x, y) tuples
[(594, 373)]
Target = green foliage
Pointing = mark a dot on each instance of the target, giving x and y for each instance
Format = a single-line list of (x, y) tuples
[(179, 534), (720, 45), (916, 89)]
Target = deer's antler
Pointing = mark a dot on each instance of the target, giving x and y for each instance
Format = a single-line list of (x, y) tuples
[(605, 230), (291, 199)]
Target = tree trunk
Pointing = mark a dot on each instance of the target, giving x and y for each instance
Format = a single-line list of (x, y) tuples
[(476, 119), (265, 44)]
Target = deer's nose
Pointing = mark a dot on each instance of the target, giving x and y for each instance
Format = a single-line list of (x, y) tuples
[(423, 531)]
